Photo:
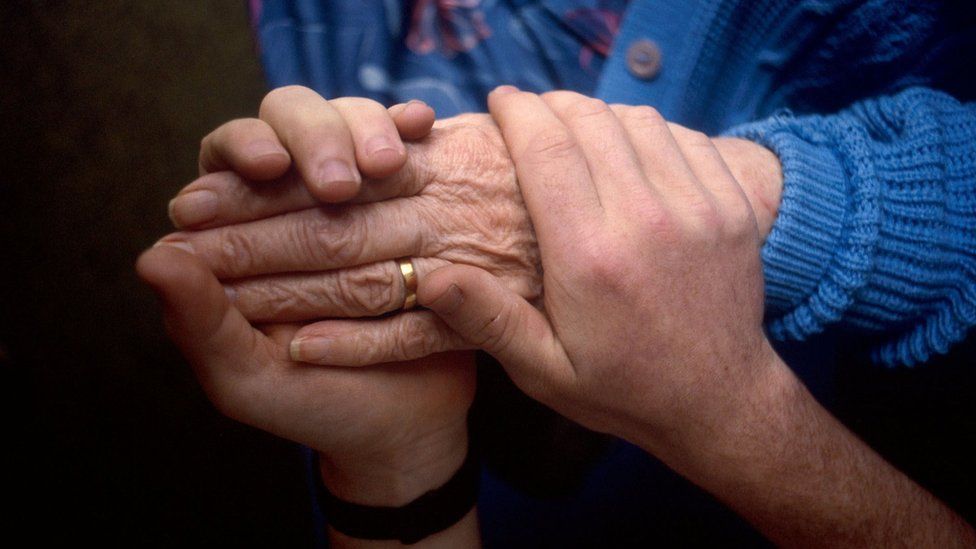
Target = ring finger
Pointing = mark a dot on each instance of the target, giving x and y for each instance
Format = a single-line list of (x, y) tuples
[(364, 291)]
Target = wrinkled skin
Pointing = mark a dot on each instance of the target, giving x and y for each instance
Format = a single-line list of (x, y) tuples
[(652, 328), (386, 433), (455, 201), (459, 204), (249, 376)]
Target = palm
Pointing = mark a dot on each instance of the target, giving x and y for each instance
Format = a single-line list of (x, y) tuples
[(364, 409)]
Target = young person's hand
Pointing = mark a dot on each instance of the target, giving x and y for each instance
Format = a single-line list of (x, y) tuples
[(286, 258), (385, 434), (652, 327), (329, 145)]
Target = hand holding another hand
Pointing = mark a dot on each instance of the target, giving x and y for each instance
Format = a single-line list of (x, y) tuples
[(649, 327), (385, 434), (652, 326), (653, 303), (455, 200)]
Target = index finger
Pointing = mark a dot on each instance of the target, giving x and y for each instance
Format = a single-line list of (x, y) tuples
[(552, 172)]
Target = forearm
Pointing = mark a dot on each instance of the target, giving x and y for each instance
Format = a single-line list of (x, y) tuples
[(791, 469)]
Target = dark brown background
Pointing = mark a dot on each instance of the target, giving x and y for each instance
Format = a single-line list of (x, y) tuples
[(104, 104), (107, 435)]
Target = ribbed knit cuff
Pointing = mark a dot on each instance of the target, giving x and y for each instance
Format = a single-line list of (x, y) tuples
[(875, 227), (808, 232)]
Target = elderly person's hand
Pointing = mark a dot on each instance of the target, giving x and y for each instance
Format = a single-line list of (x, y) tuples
[(385, 434), (286, 258), (652, 327)]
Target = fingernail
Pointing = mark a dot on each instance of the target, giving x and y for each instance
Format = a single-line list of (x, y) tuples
[(334, 171), (505, 90), (417, 102), (231, 293), (181, 244), (263, 147), (380, 144), (193, 208), (311, 349)]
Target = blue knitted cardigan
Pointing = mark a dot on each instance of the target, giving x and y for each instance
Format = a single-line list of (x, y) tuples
[(866, 103)]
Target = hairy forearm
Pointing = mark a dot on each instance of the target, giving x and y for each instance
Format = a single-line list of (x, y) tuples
[(801, 478)]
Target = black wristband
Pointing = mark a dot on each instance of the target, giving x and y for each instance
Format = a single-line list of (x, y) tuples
[(430, 513)]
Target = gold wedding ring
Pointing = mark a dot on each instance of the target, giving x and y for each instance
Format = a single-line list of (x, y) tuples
[(409, 282)]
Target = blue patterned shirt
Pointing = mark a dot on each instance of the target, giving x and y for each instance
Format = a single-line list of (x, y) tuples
[(449, 53)]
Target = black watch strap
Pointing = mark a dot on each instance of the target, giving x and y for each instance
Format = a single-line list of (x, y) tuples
[(430, 513)]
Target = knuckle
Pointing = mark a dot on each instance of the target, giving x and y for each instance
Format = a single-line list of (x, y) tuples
[(552, 143), (559, 95), (694, 139), (223, 402), (605, 265), (706, 222), (340, 239), (740, 221), (280, 300), (411, 342), (586, 108), (642, 115), (497, 331), (223, 394), (237, 252), (657, 225), (205, 143), (368, 291)]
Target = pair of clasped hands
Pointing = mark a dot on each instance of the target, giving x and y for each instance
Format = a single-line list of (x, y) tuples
[(283, 291)]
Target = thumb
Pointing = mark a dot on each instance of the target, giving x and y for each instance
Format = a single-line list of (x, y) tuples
[(211, 333), (493, 318)]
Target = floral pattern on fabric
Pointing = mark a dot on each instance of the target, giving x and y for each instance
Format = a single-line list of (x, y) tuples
[(449, 25), (598, 27), (449, 53)]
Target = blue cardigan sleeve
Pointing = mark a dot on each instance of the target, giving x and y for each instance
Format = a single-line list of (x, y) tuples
[(877, 224)]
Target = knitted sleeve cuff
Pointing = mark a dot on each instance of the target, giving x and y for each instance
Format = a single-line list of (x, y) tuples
[(875, 224), (799, 263)]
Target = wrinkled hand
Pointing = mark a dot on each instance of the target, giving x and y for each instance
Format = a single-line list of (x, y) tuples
[(458, 202), (652, 327), (385, 433), (396, 416)]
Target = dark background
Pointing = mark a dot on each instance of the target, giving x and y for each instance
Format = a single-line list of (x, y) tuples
[(104, 104), (106, 433)]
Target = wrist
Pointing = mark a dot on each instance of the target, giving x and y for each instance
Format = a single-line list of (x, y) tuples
[(760, 174), (397, 476), (746, 419)]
